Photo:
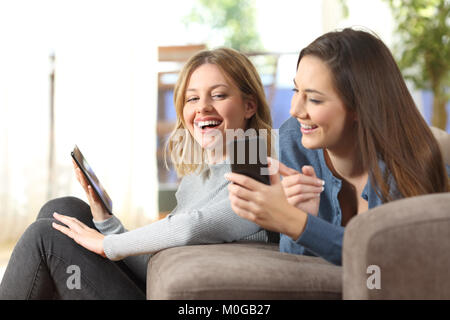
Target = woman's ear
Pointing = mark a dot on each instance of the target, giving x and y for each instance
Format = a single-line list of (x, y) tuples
[(250, 108)]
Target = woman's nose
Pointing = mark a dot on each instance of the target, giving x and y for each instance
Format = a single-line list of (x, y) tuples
[(204, 105), (298, 109)]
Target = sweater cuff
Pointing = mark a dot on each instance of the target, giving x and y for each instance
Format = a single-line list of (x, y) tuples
[(109, 226), (108, 248)]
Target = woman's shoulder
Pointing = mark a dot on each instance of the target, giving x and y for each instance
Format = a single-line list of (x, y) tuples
[(289, 125), (208, 175)]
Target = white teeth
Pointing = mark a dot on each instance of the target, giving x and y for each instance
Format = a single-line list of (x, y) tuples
[(304, 126), (202, 124)]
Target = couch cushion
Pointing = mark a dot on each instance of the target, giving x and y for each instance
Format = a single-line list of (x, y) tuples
[(242, 270)]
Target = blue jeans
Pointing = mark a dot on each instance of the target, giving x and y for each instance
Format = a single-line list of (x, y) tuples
[(46, 264)]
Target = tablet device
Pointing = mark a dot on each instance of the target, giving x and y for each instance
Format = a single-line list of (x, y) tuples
[(248, 156), (92, 179)]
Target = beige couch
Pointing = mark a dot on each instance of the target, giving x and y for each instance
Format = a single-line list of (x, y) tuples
[(407, 240)]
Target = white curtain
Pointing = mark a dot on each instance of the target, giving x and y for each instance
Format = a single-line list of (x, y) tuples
[(105, 102)]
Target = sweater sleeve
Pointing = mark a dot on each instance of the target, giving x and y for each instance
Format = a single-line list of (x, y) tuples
[(109, 226), (217, 224), (323, 239), (138, 264)]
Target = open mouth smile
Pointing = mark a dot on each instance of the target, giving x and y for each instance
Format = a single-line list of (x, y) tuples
[(207, 124), (307, 128)]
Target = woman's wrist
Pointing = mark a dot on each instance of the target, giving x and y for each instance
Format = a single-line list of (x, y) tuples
[(295, 222)]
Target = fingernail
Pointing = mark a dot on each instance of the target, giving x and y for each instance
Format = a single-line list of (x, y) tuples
[(226, 175), (322, 189), (321, 182)]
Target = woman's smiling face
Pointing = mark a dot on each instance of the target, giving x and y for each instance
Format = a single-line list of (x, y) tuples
[(325, 121), (213, 103)]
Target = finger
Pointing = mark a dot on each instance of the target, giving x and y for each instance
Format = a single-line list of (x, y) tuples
[(92, 195), (274, 178), (71, 222), (244, 181), (240, 192), (273, 165), (91, 199), (300, 178), (241, 203), (297, 199), (82, 179), (237, 206), (75, 165), (285, 170), (309, 171), (68, 232), (78, 173), (302, 189), (274, 173), (84, 183)]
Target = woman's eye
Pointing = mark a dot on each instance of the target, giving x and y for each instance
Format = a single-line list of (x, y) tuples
[(315, 101), (191, 99), (295, 90), (218, 96)]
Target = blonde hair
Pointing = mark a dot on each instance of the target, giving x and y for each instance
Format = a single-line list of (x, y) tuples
[(238, 68)]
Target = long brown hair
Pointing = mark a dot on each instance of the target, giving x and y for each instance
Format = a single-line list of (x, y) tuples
[(389, 127)]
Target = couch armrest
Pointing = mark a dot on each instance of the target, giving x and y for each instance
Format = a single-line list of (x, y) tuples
[(443, 139), (409, 240)]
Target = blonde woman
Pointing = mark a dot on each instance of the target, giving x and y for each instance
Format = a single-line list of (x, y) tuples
[(217, 90)]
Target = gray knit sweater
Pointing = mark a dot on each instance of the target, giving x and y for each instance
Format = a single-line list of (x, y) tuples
[(203, 215)]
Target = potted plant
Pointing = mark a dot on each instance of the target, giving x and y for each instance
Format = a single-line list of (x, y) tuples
[(423, 29), (232, 20)]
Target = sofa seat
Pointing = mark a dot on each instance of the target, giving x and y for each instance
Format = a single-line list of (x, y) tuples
[(240, 270)]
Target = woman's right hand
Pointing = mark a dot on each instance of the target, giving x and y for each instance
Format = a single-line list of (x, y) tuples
[(99, 212), (302, 189)]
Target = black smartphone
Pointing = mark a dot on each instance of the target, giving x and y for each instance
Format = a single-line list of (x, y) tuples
[(248, 156), (92, 179)]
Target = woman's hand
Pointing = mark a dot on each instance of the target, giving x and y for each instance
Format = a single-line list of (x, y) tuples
[(98, 210), (83, 235), (265, 205), (302, 189)]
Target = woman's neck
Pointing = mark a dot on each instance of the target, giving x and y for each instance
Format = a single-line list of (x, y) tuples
[(215, 157), (347, 163)]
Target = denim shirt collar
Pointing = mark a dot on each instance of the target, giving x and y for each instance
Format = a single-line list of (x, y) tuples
[(369, 194)]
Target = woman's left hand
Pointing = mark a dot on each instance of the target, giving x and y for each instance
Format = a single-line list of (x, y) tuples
[(265, 205), (87, 237)]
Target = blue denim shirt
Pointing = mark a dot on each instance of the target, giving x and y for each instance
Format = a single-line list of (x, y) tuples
[(323, 234)]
